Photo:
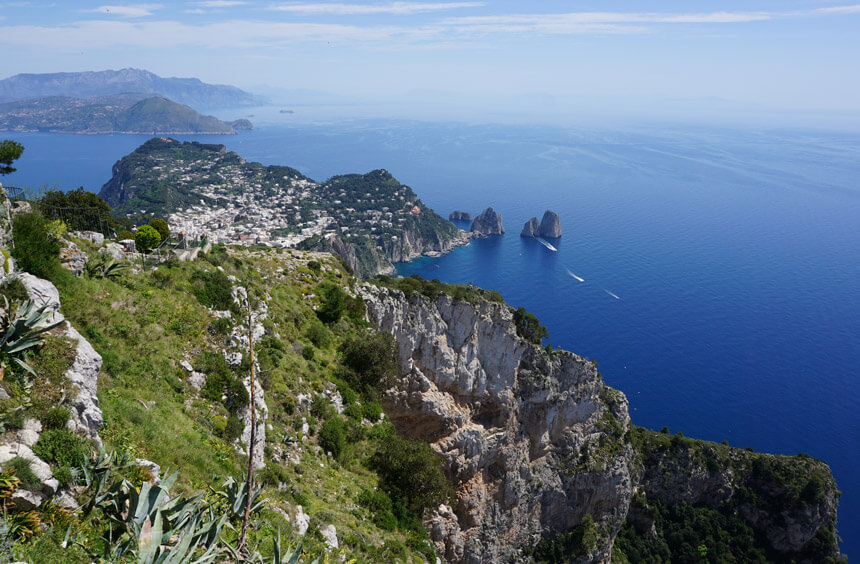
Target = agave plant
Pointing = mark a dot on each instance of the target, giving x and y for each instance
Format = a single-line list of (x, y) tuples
[(21, 333), (105, 269)]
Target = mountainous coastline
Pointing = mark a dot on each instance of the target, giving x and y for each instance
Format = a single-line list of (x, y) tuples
[(122, 113), (190, 91), (371, 220)]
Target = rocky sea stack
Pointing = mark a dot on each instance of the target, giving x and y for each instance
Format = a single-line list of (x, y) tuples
[(488, 223), (460, 216), (549, 227)]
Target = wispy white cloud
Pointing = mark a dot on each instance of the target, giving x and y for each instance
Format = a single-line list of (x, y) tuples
[(852, 9), (130, 11), (220, 3), (397, 8)]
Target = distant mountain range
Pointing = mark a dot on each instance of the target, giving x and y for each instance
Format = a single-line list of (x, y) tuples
[(122, 113), (190, 91)]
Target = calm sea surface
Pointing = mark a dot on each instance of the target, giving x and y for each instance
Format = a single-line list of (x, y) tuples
[(721, 267)]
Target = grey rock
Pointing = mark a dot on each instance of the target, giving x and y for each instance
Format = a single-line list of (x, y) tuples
[(39, 467), (186, 365), (196, 380), (24, 500), (128, 245), (73, 258), (262, 413), (488, 223), (5, 221), (113, 250), (93, 237), (41, 292), (153, 468), (329, 534), (460, 216), (550, 225), (530, 229), (301, 521)]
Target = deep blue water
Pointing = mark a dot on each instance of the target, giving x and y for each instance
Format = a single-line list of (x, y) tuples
[(735, 254)]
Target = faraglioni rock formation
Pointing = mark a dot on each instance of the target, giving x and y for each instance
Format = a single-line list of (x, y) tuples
[(538, 447), (531, 228), (460, 216), (488, 223), (549, 227)]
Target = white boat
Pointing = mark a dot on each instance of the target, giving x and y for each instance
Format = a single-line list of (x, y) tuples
[(546, 244), (611, 294)]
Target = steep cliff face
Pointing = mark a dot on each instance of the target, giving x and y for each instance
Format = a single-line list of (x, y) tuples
[(550, 225), (532, 440), (536, 444), (530, 229), (488, 223)]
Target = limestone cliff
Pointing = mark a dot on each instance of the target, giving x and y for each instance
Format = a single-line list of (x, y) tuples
[(531, 228), (550, 225), (535, 444), (512, 421)]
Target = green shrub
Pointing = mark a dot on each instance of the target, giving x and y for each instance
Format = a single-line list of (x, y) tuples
[(234, 428), (161, 226), (213, 289), (308, 353), (219, 424), (332, 436), (371, 361), (64, 475), (62, 447), (146, 238), (124, 235), (371, 411), (236, 396), (318, 334), (35, 251), (334, 302), (320, 407), (14, 290), (314, 265), (411, 471), (90, 213), (355, 412), (221, 326), (55, 418), (21, 466), (528, 327)]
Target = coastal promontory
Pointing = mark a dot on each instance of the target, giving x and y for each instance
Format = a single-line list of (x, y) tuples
[(488, 223)]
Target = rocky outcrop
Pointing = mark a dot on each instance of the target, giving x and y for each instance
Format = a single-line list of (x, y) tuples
[(534, 441), (488, 223), (73, 258), (511, 421), (531, 228), (460, 216), (550, 226), (86, 415)]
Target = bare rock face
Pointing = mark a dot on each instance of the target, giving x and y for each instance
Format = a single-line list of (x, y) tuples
[(530, 229), (550, 226), (488, 223), (83, 374), (511, 420)]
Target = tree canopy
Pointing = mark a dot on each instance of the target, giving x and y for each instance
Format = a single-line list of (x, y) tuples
[(10, 151)]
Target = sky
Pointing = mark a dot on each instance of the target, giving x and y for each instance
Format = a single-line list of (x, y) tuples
[(762, 56)]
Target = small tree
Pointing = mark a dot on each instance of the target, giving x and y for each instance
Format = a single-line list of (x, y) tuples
[(10, 151), (147, 238), (371, 360), (161, 226)]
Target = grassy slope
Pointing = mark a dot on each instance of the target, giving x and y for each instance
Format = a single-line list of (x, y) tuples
[(144, 324)]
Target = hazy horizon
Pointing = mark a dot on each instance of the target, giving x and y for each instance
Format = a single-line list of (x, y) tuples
[(786, 62)]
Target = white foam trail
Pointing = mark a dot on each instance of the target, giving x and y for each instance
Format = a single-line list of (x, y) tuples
[(611, 294), (575, 276), (546, 244)]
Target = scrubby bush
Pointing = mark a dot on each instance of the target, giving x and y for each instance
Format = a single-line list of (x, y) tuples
[(146, 238), (318, 334), (409, 470), (55, 418), (370, 359), (334, 302), (332, 436), (62, 447), (124, 235), (35, 251), (314, 265), (213, 289), (308, 353), (21, 466), (234, 428), (81, 209), (371, 411), (221, 326), (161, 226), (528, 327)]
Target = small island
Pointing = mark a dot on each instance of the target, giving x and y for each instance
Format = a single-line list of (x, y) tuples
[(460, 216), (122, 113)]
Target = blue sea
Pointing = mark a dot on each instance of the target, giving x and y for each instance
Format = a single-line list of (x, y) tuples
[(720, 266)]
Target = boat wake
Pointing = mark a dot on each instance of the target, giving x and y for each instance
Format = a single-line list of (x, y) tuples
[(611, 294), (575, 276), (546, 244)]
